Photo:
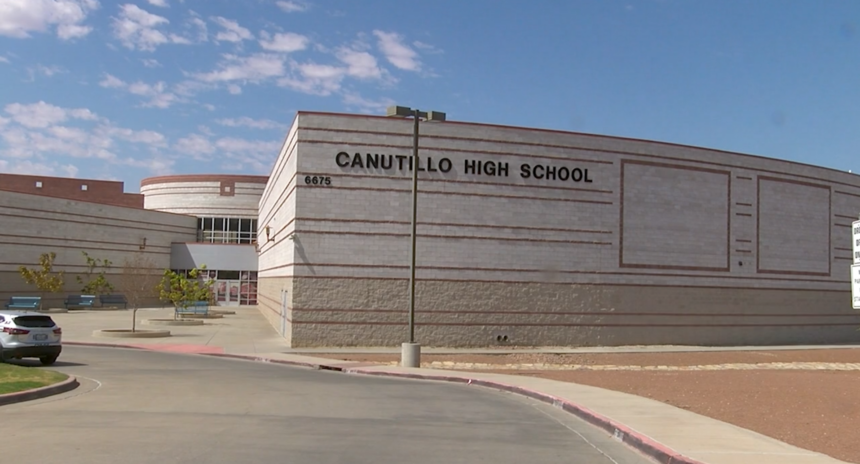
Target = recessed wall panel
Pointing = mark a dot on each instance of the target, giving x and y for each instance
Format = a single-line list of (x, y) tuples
[(793, 227), (674, 217)]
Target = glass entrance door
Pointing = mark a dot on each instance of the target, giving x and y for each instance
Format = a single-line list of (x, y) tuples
[(227, 292)]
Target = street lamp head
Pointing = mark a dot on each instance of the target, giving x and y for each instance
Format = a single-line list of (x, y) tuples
[(435, 116), (405, 112), (401, 111)]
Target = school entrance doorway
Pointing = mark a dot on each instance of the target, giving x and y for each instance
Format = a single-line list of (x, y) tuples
[(235, 288)]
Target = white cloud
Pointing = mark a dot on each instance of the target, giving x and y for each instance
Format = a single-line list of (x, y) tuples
[(324, 79), (234, 89), (37, 136), (195, 145), (157, 94), (232, 32), (314, 79), (360, 64), (139, 29), (426, 47), (245, 121), (41, 114), (257, 155), (202, 29), (3, 59), (151, 63), (146, 137), (111, 81), (252, 68), (27, 167), (287, 42), (18, 18), (161, 3), (396, 52), (157, 165), (47, 71), (364, 105), (291, 6)]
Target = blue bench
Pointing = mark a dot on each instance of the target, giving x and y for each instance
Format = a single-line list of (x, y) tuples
[(24, 302), (194, 307), (114, 300), (80, 301)]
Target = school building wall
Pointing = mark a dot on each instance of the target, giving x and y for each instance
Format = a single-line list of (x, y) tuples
[(652, 243), (39, 224), (278, 246)]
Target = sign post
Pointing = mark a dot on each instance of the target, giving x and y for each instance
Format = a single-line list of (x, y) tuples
[(855, 268)]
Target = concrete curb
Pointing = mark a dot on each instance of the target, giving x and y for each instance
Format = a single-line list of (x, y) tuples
[(27, 395), (640, 442), (620, 432), (103, 345)]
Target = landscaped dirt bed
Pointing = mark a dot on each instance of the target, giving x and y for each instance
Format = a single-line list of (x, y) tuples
[(814, 406)]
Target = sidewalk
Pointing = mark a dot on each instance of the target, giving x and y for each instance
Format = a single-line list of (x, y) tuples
[(672, 435)]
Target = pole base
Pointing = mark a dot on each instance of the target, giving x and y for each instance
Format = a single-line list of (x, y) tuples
[(410, 355)]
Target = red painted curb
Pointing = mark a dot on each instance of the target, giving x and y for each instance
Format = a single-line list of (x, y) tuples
[(27, 395)]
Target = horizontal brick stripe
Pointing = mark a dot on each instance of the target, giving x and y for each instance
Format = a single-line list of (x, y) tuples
[(847, 290), (572, 313), (571, 324), (36, 241), (449, 224), (451, 237), (101, 220), (191, 178), (463, 194)]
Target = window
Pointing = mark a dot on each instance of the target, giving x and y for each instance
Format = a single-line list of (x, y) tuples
[(228, 275), (38, 184), (84, 187), (226, 230)]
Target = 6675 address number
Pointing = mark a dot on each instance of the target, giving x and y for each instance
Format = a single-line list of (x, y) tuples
[(318, 180)]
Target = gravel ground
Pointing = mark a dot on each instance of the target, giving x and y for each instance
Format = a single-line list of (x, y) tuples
[(814, 409)]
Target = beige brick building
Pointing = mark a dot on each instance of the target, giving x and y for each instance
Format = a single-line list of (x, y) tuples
[(535, 237)]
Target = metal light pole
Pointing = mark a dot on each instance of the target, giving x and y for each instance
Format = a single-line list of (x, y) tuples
[(410, 354)]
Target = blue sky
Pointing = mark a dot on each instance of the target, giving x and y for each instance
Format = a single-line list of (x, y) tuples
[(130, 89)]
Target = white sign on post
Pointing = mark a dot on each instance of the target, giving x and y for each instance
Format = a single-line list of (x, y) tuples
[(855, 286), (855, 238), (855, 268)]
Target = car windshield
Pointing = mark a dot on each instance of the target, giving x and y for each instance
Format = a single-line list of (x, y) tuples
[(34, 321)]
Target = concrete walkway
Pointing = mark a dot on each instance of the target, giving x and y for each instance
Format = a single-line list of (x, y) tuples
[(671, 435)]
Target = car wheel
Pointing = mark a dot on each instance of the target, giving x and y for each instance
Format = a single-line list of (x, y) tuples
[(48, 360)]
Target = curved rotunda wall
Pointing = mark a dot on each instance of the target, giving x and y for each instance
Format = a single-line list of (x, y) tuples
[(204, 195)]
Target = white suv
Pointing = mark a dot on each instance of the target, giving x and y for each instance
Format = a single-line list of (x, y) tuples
[(29, 335)]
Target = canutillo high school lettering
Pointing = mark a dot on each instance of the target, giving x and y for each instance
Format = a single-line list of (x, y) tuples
[(470, 167), (377, 161)]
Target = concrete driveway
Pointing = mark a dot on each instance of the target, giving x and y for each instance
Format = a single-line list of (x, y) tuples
[(138, 407)]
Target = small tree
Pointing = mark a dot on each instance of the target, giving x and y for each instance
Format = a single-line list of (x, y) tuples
[(44, 278), (138, 280), (98, 284), (181, 291)]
